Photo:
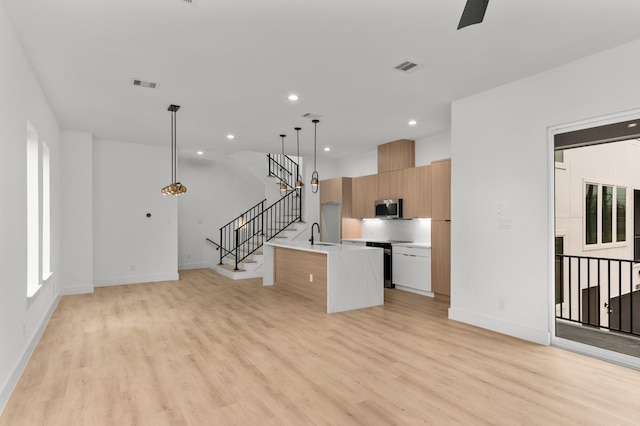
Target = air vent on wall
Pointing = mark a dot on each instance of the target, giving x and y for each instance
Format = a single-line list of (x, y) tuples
[(187, 1), (147, 84), (408, 66)]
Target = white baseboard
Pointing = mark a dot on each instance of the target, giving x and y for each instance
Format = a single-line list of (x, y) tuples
[(192, 266), (8, 387), (76, 289), (135, 279), (536, 336), (416, 291)]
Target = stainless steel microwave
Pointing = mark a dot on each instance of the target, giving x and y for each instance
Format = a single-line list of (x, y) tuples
[(389, 209)]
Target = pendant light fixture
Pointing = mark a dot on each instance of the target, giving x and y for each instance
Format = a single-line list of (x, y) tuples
[(175, 188), (314, 175), (298, 178), (283, 185)]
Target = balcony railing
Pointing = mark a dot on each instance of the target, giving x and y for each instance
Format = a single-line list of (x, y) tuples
[(599, 292)]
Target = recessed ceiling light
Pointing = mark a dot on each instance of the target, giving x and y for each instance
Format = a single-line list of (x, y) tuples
[(230, 136), (412, 122), (200, 153), (327, 149), (632, 125), (293, 97)]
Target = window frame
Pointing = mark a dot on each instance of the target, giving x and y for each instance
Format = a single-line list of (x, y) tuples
[(598, 245)]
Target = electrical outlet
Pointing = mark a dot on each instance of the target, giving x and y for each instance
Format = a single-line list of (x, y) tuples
[(133, 267), (500, 304), (310, 278)]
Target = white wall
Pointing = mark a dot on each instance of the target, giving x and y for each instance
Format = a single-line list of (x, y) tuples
[(77, 212), (22, 320), (501, 156), (433, 148), (129, 247), (361, 164), (217, 192)]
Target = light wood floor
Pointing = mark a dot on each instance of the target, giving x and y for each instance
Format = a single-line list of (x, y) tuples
[(206, 350)]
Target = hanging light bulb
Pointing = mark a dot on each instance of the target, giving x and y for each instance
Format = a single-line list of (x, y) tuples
[(314, 175), (283, 185), (175, 188), (298, 177)]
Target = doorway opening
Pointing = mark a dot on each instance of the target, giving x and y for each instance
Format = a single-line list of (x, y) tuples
[(597, 236)]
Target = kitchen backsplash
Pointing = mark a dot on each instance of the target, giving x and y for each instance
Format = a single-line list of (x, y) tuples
[(416, 230)]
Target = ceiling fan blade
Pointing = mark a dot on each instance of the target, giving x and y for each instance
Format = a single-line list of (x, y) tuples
[(473, 12)]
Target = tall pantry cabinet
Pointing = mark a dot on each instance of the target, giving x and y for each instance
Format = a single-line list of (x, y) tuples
[(441, 228)]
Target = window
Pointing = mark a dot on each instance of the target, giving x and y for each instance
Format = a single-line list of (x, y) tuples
[(46, 213), (33, 212), (605, 214), (38, 212), (559, 155)]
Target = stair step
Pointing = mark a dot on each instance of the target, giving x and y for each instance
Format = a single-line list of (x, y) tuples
[(231, 268)]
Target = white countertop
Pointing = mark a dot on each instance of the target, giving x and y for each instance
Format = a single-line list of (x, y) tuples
[(318, 247), (408, 244), (412, 245)]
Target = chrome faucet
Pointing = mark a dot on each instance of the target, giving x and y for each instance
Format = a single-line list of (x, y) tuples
[(314, 224)]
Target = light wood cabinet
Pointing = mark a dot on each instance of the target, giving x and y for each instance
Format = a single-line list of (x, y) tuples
[(441, 257), (441, 190), (365, 193), (391, 185), (396, 155), (331, 190), (417, 192)]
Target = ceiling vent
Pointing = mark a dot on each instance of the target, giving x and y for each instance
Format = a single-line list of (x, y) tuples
[(187, 1), (147, 84), (311, 116), (408, 67)]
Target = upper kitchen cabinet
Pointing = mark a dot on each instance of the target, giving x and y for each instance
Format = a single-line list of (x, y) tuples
[(396, 155), (338, 191), (364, 195), (417, 192), (441, 190), (391, 184)]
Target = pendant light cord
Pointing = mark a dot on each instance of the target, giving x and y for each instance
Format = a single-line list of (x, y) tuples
[(315, 149), (297, 129), (173, 146)]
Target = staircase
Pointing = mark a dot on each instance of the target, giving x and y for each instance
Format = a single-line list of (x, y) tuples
[(240, 240)]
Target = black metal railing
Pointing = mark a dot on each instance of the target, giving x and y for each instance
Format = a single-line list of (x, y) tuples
[(246, 234), (284, 168), (235, 234), (599, 292)]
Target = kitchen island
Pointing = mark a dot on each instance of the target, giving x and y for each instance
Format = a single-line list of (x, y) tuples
[(334, 277)]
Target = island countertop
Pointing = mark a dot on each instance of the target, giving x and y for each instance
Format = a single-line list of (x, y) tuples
[(318, 247), (338, 277)]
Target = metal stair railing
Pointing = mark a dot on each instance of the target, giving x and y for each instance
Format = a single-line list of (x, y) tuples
[(284, 168), (231, 233), (245, 234)]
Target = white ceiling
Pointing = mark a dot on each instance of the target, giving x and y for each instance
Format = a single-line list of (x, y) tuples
[(231, 64)]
